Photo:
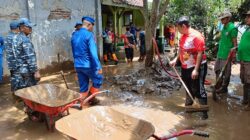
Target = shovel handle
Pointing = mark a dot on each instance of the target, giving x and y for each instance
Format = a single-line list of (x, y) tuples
[(179, 77), (64, 79)]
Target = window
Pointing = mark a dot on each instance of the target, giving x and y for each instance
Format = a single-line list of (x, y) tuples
[(128, 18)]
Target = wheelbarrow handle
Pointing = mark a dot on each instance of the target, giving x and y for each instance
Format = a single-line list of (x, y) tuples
[(93, 95), (183, 132), (201, 133)]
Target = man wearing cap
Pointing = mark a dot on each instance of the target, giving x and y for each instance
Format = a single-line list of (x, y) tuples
[(86, 61), (1, 58), (10, 50), (244, 57), (22, 58), (78, 26), (228, 42), (193, 62)]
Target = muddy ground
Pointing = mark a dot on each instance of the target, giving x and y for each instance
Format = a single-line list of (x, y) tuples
[(227, 120)]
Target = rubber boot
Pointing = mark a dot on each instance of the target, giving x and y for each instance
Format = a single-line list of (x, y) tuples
[(245, 94), (204, 115), (115, 58), (105, 58), (247, 89), (188, 101), (94, 100)]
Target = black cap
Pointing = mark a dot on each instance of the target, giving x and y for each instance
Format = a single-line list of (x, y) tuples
[(183, 20)]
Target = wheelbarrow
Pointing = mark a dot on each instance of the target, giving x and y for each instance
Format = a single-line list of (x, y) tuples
[(49, 101), (105, 123)]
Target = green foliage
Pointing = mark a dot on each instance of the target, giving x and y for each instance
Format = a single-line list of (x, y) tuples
[(243, 8)]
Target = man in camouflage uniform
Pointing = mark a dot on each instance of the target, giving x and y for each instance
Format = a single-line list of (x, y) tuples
[(14, 30), (1, 58), (21, 57)]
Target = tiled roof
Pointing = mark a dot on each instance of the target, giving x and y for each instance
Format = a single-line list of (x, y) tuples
[(138, 3)]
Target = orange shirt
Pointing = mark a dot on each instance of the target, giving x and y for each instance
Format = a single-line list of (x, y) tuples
[(190, 45)]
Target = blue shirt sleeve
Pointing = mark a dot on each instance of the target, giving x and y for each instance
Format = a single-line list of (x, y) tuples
[(93, 53)]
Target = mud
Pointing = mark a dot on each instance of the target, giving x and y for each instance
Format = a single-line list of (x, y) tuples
[(146, 81), (48, 95), (227, 120)]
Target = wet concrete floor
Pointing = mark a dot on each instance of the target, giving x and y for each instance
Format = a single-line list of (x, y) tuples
[(227, 120)]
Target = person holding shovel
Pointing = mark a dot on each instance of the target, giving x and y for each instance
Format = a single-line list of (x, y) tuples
[(86, 61), (244, 57), (193, 62), (227, 43)]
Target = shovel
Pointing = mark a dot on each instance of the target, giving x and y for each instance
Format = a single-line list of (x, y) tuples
[(219, 80)]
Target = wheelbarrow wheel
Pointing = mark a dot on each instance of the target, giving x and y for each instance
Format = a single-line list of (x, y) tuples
[(49, 122), (34, 115)]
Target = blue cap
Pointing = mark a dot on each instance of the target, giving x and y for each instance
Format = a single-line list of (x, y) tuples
[(26, 22), (14, 24), (89, 19), (78, 23)]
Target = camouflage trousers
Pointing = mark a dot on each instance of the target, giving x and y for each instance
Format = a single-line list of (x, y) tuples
[(19, 81)]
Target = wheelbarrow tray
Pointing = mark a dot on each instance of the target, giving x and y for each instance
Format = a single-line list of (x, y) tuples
[(48, 98), (104, 123)]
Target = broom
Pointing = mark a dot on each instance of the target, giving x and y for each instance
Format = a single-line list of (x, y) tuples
[(196, 107)]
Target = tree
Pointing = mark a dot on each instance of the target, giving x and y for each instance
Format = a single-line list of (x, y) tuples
[(152, 18)]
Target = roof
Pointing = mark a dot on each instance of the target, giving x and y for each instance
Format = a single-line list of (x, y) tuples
[(138, 3)]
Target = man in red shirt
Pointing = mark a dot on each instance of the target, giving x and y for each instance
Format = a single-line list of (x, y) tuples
[(193, 62)]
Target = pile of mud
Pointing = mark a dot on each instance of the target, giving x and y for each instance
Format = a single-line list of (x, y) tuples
[(153, 80)]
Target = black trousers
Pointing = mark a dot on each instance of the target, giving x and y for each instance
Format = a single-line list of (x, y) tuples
[(129, 53), (108, 48), (195, 86)]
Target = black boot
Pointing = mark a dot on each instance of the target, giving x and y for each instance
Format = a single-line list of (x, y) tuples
[(94, 101), (204, 115), (245, 94)]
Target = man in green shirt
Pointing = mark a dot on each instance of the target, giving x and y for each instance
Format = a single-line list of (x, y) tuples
[(228, 42), (244, 57)]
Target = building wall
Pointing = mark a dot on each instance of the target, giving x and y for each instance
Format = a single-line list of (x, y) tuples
[(55, 21)]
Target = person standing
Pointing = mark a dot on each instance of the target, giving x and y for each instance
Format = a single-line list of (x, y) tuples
[(21, 56), (227, 43), (78, 26), (142, 45), (1, 58), (244, 57), (129, 45), (108, 44), (133, 30), (8, 42), (193, 62), (86, 61)]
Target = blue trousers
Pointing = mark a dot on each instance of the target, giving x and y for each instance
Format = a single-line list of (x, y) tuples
[(84, 74)]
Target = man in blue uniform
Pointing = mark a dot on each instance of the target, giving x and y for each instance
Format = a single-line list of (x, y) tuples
[(1, 58), (21, 57), (10, 50), (86, 61), (78, 26)]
